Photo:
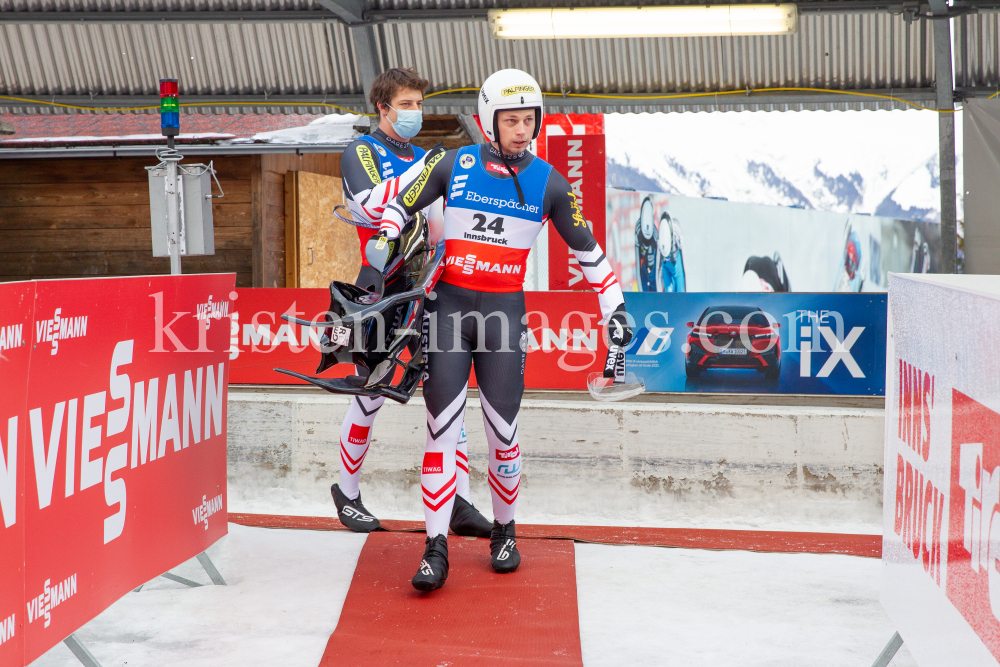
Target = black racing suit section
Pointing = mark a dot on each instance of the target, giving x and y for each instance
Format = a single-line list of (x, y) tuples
[(359, 177), (559, 205)]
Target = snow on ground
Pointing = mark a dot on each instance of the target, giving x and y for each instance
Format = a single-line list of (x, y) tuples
[(283, 599), (652, 606), (639, 606)]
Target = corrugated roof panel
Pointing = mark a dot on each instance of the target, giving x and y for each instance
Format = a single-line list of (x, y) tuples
[(875, 51), (847, 51)]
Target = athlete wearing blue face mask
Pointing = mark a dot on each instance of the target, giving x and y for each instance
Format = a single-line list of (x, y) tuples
[(372, 168)]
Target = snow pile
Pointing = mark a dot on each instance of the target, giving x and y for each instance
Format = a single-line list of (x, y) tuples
[(874, 162), (330, 129), (123, 139)]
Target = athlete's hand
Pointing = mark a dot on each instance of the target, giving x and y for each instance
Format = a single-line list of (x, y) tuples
[(619, 332), (393, 221)]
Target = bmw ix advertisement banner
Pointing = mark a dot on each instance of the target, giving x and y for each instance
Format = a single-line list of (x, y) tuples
[(759, 343)]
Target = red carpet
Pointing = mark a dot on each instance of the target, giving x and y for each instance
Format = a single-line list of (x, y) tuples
[(478, 618), (689, 538)]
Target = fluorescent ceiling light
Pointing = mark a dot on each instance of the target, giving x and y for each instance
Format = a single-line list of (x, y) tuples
[(674, 21)]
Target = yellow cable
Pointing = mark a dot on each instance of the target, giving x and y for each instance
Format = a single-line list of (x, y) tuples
[(671, 96), (753, 90), (186, 104)]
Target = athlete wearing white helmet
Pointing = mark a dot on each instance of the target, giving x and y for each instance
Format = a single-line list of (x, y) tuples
[(498, 198), (373, 168)]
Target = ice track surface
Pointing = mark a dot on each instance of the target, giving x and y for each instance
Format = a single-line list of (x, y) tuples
[(637, 606)]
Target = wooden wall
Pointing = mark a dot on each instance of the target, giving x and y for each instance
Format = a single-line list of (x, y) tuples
[(269, 234), (81, 217)]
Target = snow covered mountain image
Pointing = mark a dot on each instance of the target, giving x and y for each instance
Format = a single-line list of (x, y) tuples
[(880, 163)]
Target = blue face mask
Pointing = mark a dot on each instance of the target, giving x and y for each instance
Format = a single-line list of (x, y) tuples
[(408, 122)]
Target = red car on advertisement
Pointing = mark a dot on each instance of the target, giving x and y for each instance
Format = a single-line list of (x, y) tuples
[(733, 337)]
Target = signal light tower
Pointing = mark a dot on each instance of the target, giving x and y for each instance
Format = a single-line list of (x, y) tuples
[(170, 110)]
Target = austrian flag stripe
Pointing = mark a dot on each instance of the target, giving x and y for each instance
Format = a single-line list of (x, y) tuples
[(352, 465), (462, 461), (437, 499), (508, 496)]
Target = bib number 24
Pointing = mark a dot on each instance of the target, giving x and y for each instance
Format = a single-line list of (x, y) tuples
[(496, 226)]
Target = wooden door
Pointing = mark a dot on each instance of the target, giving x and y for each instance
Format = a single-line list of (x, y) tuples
[(318, 246)]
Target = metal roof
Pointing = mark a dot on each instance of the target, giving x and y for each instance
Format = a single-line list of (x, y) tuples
[(297, 65)]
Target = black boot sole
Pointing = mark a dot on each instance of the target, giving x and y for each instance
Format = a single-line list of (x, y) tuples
[(426, 586)]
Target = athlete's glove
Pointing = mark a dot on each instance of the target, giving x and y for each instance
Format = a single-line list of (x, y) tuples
[(619, 332), (393, 221)]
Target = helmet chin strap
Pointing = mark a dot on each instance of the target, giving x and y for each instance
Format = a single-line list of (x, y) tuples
[(510, 170)]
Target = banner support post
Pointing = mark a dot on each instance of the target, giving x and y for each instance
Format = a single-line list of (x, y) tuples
[(889, 651), (209, 566), (81, 652)]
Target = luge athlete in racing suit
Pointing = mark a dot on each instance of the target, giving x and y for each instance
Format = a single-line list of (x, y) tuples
[(478, 316), (647, 250), (372, 168)]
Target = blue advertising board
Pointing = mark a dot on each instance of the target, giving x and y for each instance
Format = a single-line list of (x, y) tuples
[(790, 343)]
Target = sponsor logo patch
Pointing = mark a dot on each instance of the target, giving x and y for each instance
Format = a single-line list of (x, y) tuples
[(466, 161), (499, 168), (368, 162), (410, 198), (381, 151), (358, 434), (514, 90), (433, 462), (508, 455)]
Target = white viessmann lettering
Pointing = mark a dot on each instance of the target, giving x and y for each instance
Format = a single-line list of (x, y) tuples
[(51, 597), (176, 416), (210, 310), (7, 627), (11, 336), (207, 508), (469, 264), (59, 328)]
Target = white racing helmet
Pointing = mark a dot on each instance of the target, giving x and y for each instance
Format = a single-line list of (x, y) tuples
[(508, 89)]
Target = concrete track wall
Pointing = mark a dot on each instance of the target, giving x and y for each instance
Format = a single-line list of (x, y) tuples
[(666, 464)]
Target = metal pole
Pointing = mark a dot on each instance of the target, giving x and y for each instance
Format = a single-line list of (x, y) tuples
[(173, 208), (209, 566), (887, 654), (946, 143), (81, 652)]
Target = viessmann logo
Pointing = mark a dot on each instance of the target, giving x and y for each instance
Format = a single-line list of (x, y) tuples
[(59, 328), (50, 598), (208, 507), (469, 264), (7, 627), (210, 310), (11, 336)]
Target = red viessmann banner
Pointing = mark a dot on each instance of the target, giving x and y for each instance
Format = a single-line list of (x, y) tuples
[(564, 341), (114, 438), (581, 159)]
